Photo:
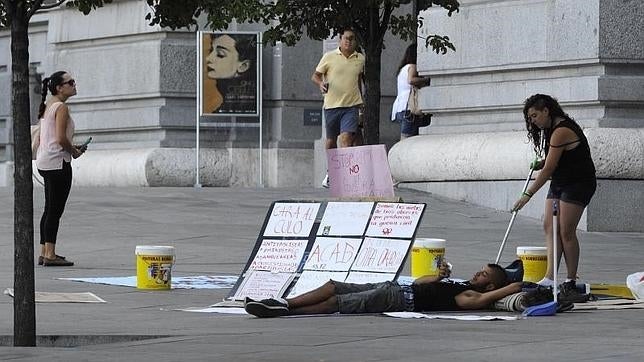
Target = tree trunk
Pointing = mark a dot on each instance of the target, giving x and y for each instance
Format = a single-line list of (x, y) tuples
[(372, 96), (24, 308)]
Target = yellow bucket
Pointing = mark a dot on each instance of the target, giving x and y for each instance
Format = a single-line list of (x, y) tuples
[(535, 262), (154, 267), (426, 256)]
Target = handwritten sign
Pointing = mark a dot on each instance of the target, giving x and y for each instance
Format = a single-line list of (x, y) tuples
[(365, 277), (381, 255), (279, 255), (345, 218), (358, 242), (332, 254), (395, 220), (310, 280), (291, 219), (359, 171), (262, 285)]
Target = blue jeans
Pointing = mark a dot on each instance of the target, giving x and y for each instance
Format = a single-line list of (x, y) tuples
[(407, 128)]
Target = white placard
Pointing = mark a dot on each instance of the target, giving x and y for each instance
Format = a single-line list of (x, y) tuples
[(332, 254), (310, 280), (279, 255), (381, 255), (365, 277), (345, 218), (394, 220), (291, 219), (261, 285)]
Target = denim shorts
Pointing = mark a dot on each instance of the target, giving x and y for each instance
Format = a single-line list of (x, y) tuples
[(407, 128), (373, 297), (578, 193), (341, 120)]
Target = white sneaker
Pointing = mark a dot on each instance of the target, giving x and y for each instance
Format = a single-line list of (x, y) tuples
[(326, 183)]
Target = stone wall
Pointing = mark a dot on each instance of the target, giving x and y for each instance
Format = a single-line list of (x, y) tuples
[(586, 53), (136, 98)]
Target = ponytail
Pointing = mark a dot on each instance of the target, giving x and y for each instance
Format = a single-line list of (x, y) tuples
[(41, 110), (50, 84)]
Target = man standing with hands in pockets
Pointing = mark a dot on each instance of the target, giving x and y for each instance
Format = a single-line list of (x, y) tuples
[(339, 75)]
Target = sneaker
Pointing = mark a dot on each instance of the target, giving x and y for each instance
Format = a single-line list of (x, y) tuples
[(563, 306), (326, 183), (56, 262), (537, 296), (266, 308), (570, 293)]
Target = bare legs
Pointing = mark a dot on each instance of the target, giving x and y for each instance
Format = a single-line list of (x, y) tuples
[(345, 139), (568, 244), (318, 301)]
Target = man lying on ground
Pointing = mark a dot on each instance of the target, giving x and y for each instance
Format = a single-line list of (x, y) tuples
[(428, 293)]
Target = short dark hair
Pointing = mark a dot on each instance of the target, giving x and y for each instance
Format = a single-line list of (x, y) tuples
[(498, 276)]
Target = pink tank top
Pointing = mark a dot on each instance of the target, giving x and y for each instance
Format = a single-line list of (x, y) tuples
[(51, 154)]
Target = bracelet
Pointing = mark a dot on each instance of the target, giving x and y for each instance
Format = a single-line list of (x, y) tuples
[(528, 194)]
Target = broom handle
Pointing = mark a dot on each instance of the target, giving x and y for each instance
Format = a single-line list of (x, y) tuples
[(555, 212), (514, 215)]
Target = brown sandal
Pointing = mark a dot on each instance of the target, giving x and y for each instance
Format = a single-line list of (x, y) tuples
[(56, 262), (40, 258)]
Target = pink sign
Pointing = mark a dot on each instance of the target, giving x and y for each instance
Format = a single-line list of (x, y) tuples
[(359, 171)]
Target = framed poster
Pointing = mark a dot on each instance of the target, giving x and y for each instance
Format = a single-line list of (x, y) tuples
[(230, 84)]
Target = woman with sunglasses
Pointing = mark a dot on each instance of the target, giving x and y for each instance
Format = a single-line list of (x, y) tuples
[(53, 160)]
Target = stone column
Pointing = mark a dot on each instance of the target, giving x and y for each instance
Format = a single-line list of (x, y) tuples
[(588, 54)]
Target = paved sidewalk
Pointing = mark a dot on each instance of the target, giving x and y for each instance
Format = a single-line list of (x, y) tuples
[(214, 229)]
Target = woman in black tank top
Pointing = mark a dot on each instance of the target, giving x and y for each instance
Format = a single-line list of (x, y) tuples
[(570, 169)]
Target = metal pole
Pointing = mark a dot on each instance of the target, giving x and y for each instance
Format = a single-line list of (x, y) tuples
[(199, 106), (555, 212), (260, 181)]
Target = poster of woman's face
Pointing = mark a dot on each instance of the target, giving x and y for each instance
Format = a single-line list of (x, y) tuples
[(229, 64)]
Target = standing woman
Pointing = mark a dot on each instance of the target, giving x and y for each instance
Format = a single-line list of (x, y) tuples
[(570, 168), (53, 161), (407, 78)]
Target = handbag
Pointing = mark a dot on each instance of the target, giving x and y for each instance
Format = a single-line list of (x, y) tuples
[(35, 139), (413, 113)]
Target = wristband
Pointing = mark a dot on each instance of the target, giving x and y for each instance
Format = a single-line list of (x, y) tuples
[(528, 194)]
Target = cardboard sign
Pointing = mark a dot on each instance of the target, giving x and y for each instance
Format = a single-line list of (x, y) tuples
[(381, 255), (313, 242), (345, 218), (395, 220), (279, 255), (291, 219), (360, 171)]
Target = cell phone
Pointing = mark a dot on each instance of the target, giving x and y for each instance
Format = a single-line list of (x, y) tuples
[(84, 144)]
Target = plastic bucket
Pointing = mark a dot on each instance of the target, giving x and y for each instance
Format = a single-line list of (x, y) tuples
[(535, 262), (426, 256), (154, 267)]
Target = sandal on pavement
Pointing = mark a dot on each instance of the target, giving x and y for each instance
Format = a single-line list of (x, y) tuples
[(40, 258), (56, 262)]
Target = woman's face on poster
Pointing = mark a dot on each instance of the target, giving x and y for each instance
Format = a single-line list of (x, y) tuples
[(223, 61)]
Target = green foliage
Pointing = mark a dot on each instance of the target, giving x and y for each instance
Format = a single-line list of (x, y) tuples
[(219, 13), (86, 6)]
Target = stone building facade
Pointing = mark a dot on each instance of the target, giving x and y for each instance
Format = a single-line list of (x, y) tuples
[(136, 98), (589, 54)]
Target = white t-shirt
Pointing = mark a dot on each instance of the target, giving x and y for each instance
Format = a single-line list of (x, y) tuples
[(402, 94), (50, 154)]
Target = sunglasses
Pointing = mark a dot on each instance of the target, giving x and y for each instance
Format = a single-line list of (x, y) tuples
[(71, 83)]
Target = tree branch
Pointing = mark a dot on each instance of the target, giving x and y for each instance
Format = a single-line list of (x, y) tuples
[(51, 6), (35, 6)]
